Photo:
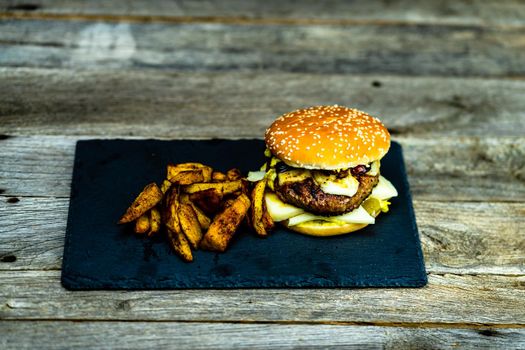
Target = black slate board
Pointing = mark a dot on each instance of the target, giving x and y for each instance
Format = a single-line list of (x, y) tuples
[(99, 254)]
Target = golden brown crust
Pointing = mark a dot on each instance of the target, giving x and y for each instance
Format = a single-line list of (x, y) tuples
[(327, 137)]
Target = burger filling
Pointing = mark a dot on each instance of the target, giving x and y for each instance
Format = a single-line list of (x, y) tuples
[(309, 195), (354, 195)]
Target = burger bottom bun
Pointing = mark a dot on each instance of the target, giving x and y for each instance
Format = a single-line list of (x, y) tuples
[(325, 229), (321, 229)]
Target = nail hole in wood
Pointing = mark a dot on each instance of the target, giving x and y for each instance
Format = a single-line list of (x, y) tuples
[(8, 259), (377, 84), (4, 137), (13, 200), (23, 7), (488, 332)]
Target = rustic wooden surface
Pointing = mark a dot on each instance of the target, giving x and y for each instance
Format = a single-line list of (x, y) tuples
[(446, 77)]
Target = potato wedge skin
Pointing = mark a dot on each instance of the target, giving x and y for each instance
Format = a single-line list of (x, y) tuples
[(225, 224), (217, 176), (174, 169), (190, 225), (257, 209), (223, 188), (154, 221), (267, 220), (188, 173), (233, 174), (165, 186), (204, 221), (142, 224), (187, 177), (180, 245), (171, 210), (150, 196), (206, 173)]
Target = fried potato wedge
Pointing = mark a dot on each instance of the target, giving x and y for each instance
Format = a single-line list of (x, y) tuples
[(225, 224), (204, 221), (142, 224), (171, 210), (174, 173), (226, 203), (208, 200), (221, 187), (154, 221), (165, 186), (187, 177), (187, 166), (233, 174), (217, 176), (150, 196), (180, 245), (267, 220), (257, 209), (206, 174), (190, 225), (245, 187)]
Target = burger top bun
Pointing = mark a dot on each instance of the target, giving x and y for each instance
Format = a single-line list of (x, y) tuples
[(327, 137)]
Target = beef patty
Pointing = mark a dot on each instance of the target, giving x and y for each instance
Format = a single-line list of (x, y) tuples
[(308, 195)]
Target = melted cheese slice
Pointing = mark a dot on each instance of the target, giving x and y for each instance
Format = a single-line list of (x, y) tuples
[(356, 216), (384, 189), (346, 186), (279, 210)]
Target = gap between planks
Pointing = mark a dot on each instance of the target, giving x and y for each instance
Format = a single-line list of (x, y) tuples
[(475, 274), (444, 325), (236, 20)]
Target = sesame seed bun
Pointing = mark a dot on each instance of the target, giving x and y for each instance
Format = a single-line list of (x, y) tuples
[(327, 137)]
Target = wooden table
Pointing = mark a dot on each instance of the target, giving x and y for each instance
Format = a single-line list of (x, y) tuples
[(446, 77)]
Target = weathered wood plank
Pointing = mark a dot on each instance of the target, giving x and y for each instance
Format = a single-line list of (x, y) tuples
[(462, 238), (167, 335), (439, 169), (368, 49), (32, 232), (477, 12), (232, 105), (466, 300)]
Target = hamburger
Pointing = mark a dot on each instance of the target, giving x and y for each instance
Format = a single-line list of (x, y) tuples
[(323, 170)]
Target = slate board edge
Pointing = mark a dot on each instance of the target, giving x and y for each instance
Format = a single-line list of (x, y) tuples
[(66, 282), (423, 278)]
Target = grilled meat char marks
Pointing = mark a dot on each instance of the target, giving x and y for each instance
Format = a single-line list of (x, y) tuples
[(308, 195)]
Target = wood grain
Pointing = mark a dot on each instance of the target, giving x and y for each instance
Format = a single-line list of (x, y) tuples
[(167, 335), (234, 105), (414, 50), (457, 237), (477, 12), (75, 69), (467, 300)]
